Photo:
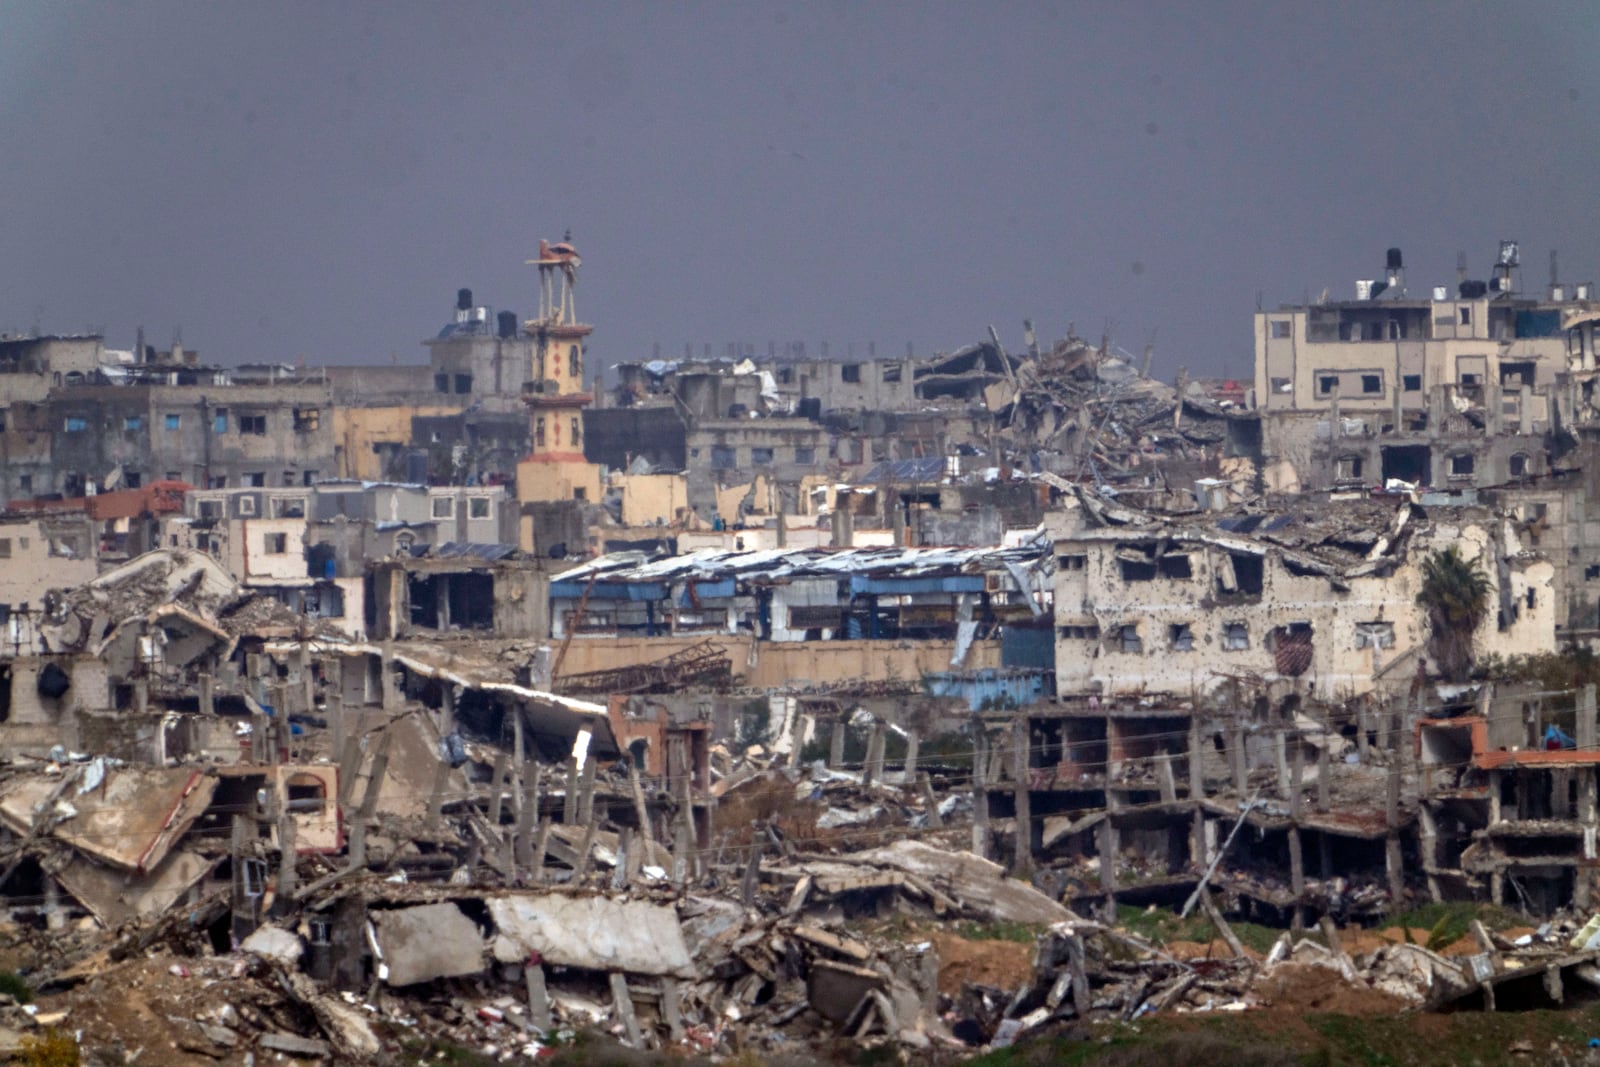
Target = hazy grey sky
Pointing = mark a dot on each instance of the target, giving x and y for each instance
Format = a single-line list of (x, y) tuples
[(284, 180)]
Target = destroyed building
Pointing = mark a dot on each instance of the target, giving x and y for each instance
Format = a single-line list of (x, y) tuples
[(1319, 596), (1453, 388)]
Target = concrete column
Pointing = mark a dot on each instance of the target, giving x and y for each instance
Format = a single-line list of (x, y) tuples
[(1495, 815), (1110, 845), (1323, 782), (1023, 867), (1197, 786), (908, 776), (836, 737), (208, 703), (1241, 774), (1297, 877), (1429, 846)]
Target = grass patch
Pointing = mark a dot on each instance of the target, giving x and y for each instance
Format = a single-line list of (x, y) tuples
[(1447, 923), (1020, 933), (1162, 926), (16, 986)]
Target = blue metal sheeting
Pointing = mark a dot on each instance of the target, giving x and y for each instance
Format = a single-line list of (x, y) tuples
[(953, 583), (990, 689), (610, 591)]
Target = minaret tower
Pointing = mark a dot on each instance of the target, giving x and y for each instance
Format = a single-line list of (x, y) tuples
[(556, 396)]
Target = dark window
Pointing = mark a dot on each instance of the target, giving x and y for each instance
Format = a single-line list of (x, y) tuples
[(1071, 563), (1327, 383), (805, 456), (1412, 383), (307, 420), (441, 383), (761, 457), (1519, 465), (1461, 464), (255, 478), (132, 479), (255, 425), (1280, 328), (1181, 637), (463, 383), (1176, 566), (850, 372), (892, 372), (1372, 383), (573, 365), (722, 458)]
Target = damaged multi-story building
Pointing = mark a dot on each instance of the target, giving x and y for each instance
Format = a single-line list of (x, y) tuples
[(1452, 388)]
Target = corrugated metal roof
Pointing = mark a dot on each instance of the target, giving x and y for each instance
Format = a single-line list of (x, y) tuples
[(472, 550)]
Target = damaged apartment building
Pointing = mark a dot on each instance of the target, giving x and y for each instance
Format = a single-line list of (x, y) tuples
[(1453, 389), (77, 418)]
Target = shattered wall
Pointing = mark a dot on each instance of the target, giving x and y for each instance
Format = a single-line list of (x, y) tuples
[(1175, 615)]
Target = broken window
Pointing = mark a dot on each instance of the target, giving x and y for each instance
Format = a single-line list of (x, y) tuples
[(478, 507), (1080, 633), (1412, 383), (723, 458), (1519, 465), (277, 544), (1128, 637), (1280, 328), (1136, 570), (1235, 636), (891, 372), (254, 425), (850, 372), (1240, 572), (1071, 562), (1326, 384), (1181, 637), (1176, 565), (1462, 465), (1349, 468), (1372, 383), (255, 478), (444, 507), (307, 419), (761, 457), (289, 507), (211, 509), (308, 794), (1374, 635), (1282, 385)]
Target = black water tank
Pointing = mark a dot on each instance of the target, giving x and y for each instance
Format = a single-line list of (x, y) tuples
[(1392, 260), (463, 299), (507, 321), (1472, 290)]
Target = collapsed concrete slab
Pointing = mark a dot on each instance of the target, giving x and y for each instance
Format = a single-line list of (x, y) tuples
[(426, 942), (594, 932)]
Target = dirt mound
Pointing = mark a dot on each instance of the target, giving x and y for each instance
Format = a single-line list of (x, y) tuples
[(1003, 964), (1307, 987)]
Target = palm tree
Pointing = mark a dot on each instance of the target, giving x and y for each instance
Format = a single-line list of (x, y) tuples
[(1455, 594)]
